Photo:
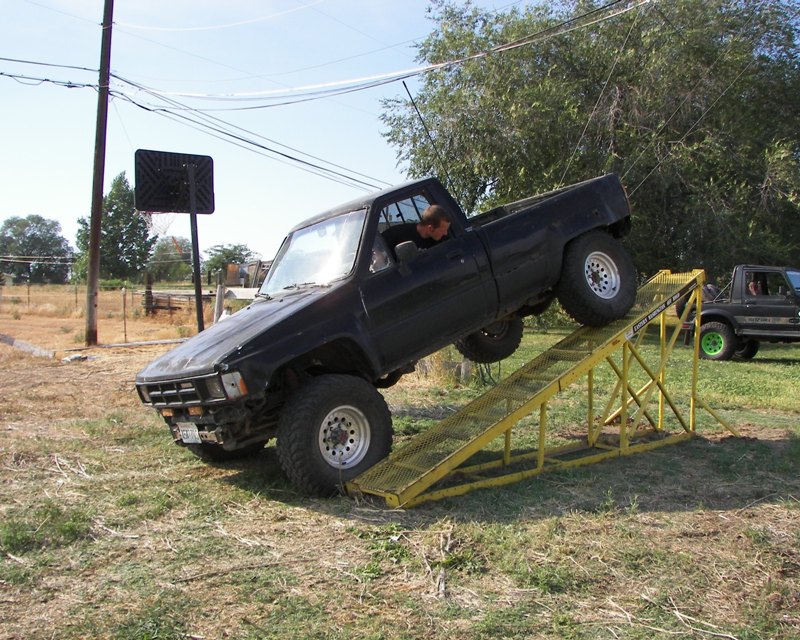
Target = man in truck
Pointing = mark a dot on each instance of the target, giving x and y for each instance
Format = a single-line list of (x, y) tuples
[(428, 232)]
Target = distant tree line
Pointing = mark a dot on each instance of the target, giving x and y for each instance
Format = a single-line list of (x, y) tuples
[(32, 249)]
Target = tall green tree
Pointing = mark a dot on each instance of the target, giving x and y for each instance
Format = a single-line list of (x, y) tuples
[(693, 102), (171, 260), (220, 256), (33, 250), (125, 241)]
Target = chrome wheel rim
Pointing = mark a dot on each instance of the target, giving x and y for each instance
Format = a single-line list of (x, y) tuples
[(344, 437), (602, 275)]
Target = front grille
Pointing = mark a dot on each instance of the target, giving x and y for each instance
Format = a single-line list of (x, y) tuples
[(177, 393)]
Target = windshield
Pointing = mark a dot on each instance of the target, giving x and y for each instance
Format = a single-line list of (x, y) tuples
[(316, 255), (794, 278)]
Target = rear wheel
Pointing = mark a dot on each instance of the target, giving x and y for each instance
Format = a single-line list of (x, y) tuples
[(494, 342), (717, 341), (747, 350), (331, 430), (598, 280)]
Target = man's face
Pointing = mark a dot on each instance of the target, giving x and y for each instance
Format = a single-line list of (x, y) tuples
[(437, 233)]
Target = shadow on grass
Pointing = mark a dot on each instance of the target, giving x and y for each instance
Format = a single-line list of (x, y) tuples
[(722, 474)]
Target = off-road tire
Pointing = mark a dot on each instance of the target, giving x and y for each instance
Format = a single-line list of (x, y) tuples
[(747, 349), (717, 341), (332, 429), (215, 453), (598, 279), (492, 343)]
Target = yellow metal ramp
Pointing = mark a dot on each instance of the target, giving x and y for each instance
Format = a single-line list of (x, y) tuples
[(410, 475)]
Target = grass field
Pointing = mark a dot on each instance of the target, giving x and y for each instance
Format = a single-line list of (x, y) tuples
[(108, 530)]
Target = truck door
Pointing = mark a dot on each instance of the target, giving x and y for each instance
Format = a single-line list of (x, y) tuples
[(427, 302), (770, 305)]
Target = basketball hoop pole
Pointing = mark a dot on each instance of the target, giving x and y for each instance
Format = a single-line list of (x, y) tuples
[(162, 182), (198, 293)]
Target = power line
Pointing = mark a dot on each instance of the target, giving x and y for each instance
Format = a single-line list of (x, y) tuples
[(696, 122), (36, 81), (688, 95), (599, 97), (339, 87), (219, 26), (217, 131), (178, 106), (223, 130), (48, 64)]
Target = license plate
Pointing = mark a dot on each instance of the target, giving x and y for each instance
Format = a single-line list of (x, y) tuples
[(188, 433)]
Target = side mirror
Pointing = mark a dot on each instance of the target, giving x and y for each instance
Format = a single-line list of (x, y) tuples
[(406, 251)]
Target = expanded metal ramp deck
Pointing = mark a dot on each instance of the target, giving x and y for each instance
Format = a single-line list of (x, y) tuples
[(434, 454)]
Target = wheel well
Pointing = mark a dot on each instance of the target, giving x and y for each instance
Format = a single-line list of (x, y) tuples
[(340, 356), (621, 227), (715, 317)]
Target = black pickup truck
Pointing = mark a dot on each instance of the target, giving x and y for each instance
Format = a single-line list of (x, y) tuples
[(340, 315), (760, 304)]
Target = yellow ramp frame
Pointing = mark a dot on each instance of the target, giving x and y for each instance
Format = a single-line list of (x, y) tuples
[(433, 464)]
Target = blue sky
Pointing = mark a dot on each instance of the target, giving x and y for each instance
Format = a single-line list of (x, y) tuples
[(241, 48)]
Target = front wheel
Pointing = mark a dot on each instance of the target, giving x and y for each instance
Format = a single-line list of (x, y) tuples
[(717, 341), (331, 430), (494, 342), (598, 279)]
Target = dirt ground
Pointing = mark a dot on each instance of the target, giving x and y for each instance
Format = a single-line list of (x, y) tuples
[(561, 563), (37, 391)]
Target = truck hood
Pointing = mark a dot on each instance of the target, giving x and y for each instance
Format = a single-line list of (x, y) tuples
[(202, 353)]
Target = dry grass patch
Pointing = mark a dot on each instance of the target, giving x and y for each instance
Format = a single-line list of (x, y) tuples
[(108, 530)]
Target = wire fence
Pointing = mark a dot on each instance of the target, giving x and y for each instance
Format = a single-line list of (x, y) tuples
[(70, 301), (61, 300), (123, 315)]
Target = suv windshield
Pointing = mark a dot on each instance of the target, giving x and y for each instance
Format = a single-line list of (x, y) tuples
[(316, 255)]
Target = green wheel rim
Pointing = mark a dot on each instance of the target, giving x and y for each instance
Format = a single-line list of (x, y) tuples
[(712, 343)]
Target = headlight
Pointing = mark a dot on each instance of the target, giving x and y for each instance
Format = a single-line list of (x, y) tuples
[(143, 394), (215, 388)]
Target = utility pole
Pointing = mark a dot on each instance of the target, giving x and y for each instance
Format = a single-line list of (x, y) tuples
[(93, 275)]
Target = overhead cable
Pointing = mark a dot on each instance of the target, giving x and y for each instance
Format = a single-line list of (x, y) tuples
[(345, 86), (219, 26), (218, 131), (174, 105)]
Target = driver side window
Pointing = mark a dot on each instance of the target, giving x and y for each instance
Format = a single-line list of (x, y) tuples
[(406, 210)]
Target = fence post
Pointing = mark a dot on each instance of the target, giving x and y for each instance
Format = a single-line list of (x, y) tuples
[(125, 313), (218, 302), (148, 294)]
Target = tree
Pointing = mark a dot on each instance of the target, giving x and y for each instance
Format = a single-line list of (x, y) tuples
[(33, 250), (171, 260), (125, 242), (694, 103), (221, 255)]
